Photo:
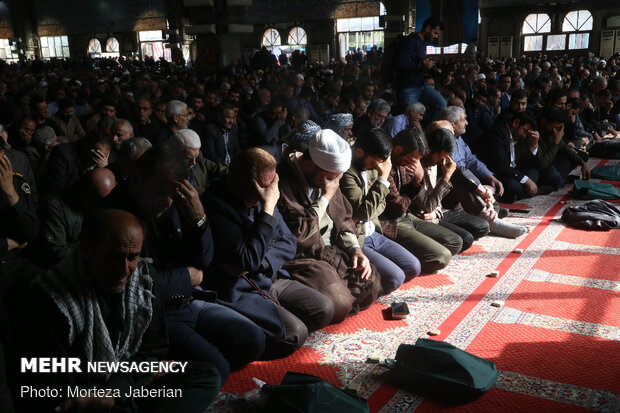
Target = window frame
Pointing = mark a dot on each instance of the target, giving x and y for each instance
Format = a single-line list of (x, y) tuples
[(536, 32), (303, 42), (273, 41), (59, 45), (90, 50), (578, 30)]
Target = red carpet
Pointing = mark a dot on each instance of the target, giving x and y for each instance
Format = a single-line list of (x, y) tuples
[(556, 339)]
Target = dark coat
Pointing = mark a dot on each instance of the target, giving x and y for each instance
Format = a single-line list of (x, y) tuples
[(149, 131), (18, 222), (65, 165), (260, 246), (172, 243), (496, 153), (214, 146)]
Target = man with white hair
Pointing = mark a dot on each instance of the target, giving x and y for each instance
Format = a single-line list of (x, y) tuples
[(177, 117), (463, 155), (122, 130), (412, 118), (329, 258), (200, 170), (465, 159)]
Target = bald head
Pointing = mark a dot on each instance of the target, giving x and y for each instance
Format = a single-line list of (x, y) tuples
[(122, 130), (440, 124), (101, 182), (112, 240)]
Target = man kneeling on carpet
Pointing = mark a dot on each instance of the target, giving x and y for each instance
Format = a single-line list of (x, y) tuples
[(436, 186), (100, 304), (252, 243), (366, 185), (329, 257)]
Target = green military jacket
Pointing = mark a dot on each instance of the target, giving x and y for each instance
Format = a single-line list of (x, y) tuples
[(366, 206)]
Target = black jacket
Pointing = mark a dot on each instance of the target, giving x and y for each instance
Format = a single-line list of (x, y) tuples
[(495, 153), (213, 145)]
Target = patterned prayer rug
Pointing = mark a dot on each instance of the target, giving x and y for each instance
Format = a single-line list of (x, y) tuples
[(555, 336)]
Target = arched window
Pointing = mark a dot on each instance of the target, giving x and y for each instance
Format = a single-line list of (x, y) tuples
[(537, 23), (94, 46), (578, 21), (297, 37), (111, 45), (533, 27), (271, 38)]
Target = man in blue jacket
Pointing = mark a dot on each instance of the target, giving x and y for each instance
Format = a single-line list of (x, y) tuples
[(411, 66)]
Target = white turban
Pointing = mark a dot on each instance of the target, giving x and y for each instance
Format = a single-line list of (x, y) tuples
[(330, 152)]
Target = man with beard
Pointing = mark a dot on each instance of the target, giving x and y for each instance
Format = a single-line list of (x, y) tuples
[(366, 185), (342, 124), (69, 128), (412, 64), (378, 111), (220, 143), (269, 126), (101, 304), (121, 131), (506, 148), (200, 170), (68, 161), (177, 118), (329, 256), (412, 118)]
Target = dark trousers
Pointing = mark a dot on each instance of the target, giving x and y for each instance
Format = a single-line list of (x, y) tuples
[(467, 226), (314, 309), (556, 174), (515, 190), (212, 332)]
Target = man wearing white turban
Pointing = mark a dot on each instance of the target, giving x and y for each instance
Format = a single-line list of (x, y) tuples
[(329, 258)]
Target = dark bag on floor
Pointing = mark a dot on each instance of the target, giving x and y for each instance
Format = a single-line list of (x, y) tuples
[(594, 215), (309, 394), (593, 190), (443, 372)]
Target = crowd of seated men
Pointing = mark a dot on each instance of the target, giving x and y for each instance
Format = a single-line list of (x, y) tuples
[(155, 213)]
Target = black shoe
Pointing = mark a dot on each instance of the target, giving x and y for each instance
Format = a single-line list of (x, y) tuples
[(545, 190)]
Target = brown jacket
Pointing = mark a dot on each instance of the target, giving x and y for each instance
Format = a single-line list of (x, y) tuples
[(315, 260), (397, 202), (301, 218)]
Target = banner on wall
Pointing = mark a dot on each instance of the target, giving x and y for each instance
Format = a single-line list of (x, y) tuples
[(460, 18)]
